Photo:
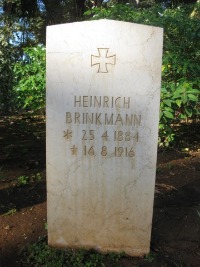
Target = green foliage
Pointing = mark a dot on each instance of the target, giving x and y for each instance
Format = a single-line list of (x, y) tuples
[(30, 79), (40, 254), (37, 177), (17, 30), (23, 180), (180, 72), (7, 58), (150, 257), (181, 57), (179, 101)]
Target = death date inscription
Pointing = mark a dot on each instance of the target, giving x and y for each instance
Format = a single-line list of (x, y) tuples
[(104, 151)]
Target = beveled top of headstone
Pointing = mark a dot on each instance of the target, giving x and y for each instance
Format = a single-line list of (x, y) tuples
[(103, 92)]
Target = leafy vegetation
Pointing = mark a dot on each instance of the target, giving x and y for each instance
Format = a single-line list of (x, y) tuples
[(25, 180), (7, 58), (30, 79), (40, 254)]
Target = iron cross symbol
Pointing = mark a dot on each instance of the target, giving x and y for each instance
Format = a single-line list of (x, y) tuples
[(102, 60)]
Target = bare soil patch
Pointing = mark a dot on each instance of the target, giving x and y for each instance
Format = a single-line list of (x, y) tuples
[(176, 219)]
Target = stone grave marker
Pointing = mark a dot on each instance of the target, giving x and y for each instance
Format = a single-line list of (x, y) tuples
[(103, 93)]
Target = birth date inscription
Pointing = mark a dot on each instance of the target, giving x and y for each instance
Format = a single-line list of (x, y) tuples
[(89, 135)]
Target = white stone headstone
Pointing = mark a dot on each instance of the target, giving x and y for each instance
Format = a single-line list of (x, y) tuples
[(103, 94)]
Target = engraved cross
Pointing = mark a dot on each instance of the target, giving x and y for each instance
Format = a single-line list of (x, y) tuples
[(74, 150), (102, 60)]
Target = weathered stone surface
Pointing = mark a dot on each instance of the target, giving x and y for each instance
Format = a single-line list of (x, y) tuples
[(103, 92)]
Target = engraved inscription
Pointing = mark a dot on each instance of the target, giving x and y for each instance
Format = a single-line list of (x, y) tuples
[(74, 150), (102, 60), (101, 101), (68, 134), (124, 139), (125, 136), (88, 136), (89, 151), (104, 152), (103, 119), (121, 151), (105, 136)]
